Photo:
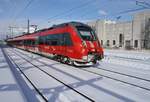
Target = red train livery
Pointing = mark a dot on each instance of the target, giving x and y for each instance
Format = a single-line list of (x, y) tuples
[(72, 43)]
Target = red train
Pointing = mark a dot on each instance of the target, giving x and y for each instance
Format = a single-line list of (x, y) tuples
[(72, 43)]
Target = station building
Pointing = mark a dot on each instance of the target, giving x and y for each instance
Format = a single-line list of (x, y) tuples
[(130, 34)]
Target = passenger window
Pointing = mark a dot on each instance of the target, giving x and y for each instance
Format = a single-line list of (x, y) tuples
[(54, 42), (67, 39), (58, 39), (42, 40)]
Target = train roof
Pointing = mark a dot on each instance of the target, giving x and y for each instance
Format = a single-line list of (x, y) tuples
[(29, 37), (54, 26), (72, 23)]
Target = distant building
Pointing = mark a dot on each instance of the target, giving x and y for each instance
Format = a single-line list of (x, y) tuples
[(131, 34)]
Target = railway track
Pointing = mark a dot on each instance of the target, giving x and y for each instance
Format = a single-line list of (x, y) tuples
[(129, 59), (68, 86), (128, 75), (108, 76), (94, 72), (136, 59), (18, 67)]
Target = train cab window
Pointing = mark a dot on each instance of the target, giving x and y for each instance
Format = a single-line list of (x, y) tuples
[(86, 33)]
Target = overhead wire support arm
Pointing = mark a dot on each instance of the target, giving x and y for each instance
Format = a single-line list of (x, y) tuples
[(143, 4)]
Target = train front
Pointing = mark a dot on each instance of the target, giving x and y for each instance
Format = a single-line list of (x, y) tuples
[(91, 50)]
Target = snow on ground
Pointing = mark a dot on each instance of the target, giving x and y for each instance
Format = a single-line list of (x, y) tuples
[(96, 86), (52, 90), (132, 59), (9, 88), (131, 54), (122, 76), (80, 80)]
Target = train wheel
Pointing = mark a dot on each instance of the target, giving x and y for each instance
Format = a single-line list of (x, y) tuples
[(66, 60), (94, 62), (62, 59), (69, 61)]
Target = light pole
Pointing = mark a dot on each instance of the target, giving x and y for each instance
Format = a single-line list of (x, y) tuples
[(28, 26)]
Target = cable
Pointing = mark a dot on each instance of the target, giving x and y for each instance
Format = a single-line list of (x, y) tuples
[(88, 10), (132, 10), (28, 4), (72, 9), (19, 14), (144, 5)]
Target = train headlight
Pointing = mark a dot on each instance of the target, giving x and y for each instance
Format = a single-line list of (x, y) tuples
[(85, 57), (84, 43), (90, 57)]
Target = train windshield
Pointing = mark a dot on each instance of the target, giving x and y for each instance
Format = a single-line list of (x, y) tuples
[(86, 33)]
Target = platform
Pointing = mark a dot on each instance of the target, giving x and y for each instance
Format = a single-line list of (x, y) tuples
[(10, 91)]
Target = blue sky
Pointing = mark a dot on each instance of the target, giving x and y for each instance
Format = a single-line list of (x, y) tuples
[(43, 12)]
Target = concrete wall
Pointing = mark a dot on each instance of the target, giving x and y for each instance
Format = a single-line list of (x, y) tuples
[(133, 31)]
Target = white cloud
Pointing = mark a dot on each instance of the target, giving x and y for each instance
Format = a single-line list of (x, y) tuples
[(102, 12)]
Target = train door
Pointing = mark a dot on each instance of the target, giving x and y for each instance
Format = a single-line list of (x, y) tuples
[(36, 45), (25, 44), (51, 44), (63, 44), (47, 46), (67, 49), (41, 44)]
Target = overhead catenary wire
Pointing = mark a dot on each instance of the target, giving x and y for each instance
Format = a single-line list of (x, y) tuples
[(68, 11), (86, 11), (71, 9), (57, 15), (143, 4), (22, 11), (113, 15), (118, 15)]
